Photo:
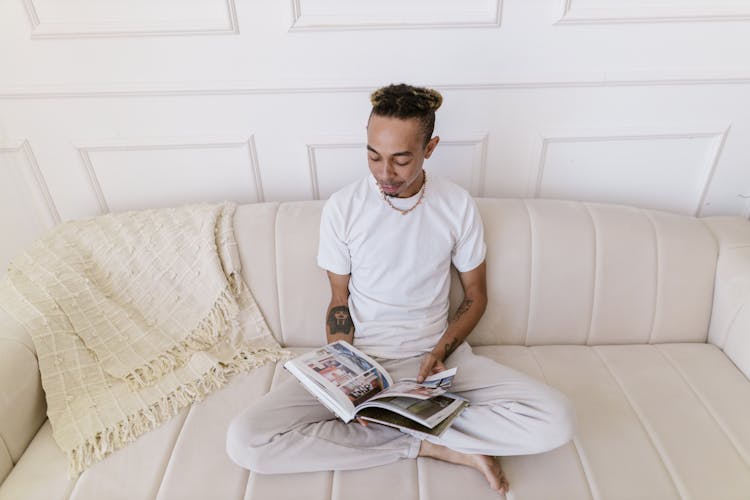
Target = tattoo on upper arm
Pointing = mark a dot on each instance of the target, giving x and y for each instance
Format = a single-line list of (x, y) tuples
[(465, 305), (340, 321), (450, 347)]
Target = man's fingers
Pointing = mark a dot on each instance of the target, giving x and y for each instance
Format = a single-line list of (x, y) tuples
[(426, 368), (362, 421)]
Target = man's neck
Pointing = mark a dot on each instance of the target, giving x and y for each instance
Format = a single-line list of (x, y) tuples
[(415, 189)]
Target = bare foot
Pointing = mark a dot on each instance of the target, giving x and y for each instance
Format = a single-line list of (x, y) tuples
[(485, 464)]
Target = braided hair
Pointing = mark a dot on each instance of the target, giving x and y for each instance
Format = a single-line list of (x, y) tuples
[(405, 101)]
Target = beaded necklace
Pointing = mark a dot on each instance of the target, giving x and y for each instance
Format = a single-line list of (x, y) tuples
[(421, 195)]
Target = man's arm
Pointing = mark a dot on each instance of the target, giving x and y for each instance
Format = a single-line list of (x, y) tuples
[(339, 324), (474, 283)]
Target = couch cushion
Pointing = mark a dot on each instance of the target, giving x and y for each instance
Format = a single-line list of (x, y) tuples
[(559, 272), (255, 231), (567, 272), (22, 405), (304, 292), (654, 421)]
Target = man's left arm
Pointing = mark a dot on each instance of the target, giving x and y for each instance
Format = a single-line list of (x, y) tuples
[(467, 315)]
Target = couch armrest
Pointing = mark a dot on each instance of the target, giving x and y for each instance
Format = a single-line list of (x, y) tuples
[(730, 318), (22, 405)]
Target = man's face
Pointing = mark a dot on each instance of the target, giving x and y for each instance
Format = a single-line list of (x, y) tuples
[(396, 153)]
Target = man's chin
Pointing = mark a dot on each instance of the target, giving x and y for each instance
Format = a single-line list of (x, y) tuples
[(392, 194)]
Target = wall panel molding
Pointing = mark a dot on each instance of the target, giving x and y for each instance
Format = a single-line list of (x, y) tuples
[(35, 180), (305, 16), (717, 133), (85, 148), (477, 175), (677, 11), (46, 27), (190, 89)]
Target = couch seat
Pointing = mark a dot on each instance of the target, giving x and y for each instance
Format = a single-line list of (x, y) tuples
[(657, 421)]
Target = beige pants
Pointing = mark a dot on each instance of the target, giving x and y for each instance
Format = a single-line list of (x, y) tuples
[(510, 413)]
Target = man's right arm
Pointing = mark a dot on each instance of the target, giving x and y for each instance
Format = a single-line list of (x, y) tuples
[(339, 323)]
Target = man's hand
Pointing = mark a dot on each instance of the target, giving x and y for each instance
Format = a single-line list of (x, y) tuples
[(430, 364)]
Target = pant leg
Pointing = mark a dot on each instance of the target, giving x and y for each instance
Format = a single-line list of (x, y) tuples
[(288, 430), (510, 413)]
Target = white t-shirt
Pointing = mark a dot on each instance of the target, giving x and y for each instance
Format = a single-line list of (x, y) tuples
[(400, 264)]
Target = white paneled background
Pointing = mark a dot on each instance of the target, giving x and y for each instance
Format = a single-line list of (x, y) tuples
[(108, 105)]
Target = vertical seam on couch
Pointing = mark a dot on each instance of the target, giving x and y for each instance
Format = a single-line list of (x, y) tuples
[(250, 477), (594, 286), (531, 271), (587, 473), (415, 463), (656, 274), (420, 487), (171, 454), (276, 273), (269, 386), (744, 456), (731, 325), (718, 244), (330, 484), (593, 490), (661, 453), (251, 474), (334, 493), (7, 450)]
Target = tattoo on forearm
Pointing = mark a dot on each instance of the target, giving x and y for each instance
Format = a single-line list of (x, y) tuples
[(339, 321), (450, 347), (465, 305)]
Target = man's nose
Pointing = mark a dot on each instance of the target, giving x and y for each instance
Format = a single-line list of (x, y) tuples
[(387, 171)]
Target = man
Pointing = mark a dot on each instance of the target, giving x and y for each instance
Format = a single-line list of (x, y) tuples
[(387, 243)]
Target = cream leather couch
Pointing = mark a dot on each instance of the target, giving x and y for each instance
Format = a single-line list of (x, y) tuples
[(641, 317)]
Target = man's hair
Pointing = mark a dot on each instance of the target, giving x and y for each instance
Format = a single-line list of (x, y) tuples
[(405, 101)]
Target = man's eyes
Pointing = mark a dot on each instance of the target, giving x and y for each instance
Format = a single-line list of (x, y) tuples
[(400, 164)]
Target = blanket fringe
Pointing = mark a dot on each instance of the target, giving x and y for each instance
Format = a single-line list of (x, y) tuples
[(126, 431), (219, 321)]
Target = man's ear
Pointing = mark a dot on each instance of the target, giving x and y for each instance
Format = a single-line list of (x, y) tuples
[(431, 145)]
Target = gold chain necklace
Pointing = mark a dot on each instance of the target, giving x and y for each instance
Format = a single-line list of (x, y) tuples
[(404, 212)]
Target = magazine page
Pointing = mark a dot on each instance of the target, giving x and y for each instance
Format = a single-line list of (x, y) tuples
[(389, 418), (321, 393), (347, 374), (428, 412), (432, 386)]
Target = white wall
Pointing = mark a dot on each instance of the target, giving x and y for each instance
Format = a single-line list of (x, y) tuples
[(111, 105)]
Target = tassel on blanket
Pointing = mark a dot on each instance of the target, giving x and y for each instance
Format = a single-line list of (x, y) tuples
[(215, 326), (126, 431)]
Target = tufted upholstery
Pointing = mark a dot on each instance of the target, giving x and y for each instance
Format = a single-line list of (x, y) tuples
[(641, 317)]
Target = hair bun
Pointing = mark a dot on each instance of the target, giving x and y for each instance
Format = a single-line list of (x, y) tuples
[(406, 98)]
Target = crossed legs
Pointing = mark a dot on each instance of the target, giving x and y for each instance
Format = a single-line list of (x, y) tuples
[(288, 430)]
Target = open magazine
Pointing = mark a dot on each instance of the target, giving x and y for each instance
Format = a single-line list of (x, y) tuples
[(352, 384)]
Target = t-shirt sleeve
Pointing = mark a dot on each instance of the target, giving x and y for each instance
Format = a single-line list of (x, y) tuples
[(333, 253), (470, 249)]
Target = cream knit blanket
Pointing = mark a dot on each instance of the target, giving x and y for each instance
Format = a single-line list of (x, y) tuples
[(134, 316)]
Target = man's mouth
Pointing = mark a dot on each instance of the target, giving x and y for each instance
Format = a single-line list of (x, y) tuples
[(389, 188)]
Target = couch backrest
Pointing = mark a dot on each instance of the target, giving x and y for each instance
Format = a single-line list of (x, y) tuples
[(559, 272)]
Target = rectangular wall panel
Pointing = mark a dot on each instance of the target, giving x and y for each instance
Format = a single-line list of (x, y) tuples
[(82, 18), (26, 208), (333, 165), (335, 14), (128, 176), (662, 171), (607, 11)]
